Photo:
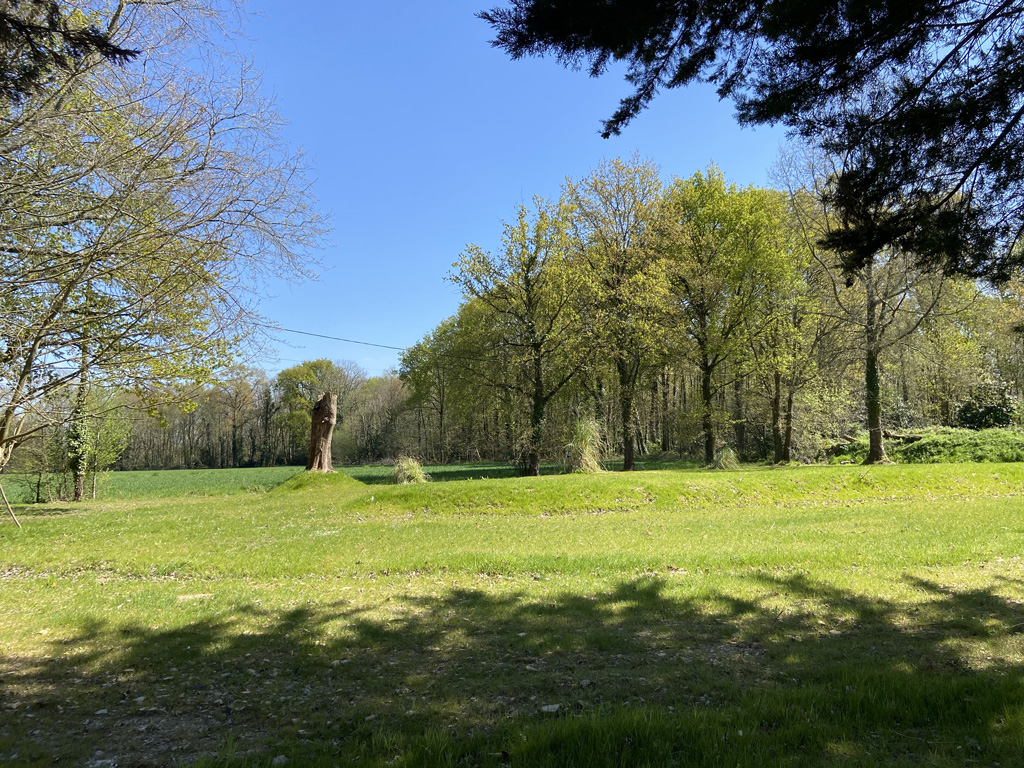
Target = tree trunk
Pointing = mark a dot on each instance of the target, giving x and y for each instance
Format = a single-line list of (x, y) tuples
[(639, 438), (78, 474), (79, 437), (787, 443), (442, 439), (536, 416), (707, 395), (599, 414), (666, 432), (872, 378), (325, 416), (626, 382), (777, 445), (872, 390), (739, 418)]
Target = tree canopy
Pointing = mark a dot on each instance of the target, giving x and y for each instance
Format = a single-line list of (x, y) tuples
[(140, 206), (925, 96), (40, 36)]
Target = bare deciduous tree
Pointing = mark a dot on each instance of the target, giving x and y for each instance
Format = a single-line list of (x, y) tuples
[(141, 206)]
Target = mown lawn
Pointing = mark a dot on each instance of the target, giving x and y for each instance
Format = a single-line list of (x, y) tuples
[(807, 616)]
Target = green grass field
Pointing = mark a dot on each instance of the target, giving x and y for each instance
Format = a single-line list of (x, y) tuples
[(164, 484), (839, 616)]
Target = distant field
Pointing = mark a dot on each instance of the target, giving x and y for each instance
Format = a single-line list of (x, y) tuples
[(805, 616), (166, 483)]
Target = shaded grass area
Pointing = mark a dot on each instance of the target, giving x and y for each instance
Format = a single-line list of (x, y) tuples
[(790, 617), (381, 474), (758, 669)]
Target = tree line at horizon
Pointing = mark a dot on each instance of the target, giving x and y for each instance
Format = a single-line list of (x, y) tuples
[(148, 195), (675, 319), (688, 316)]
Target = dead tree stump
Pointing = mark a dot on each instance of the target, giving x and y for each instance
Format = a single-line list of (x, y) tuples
[(325, 416)]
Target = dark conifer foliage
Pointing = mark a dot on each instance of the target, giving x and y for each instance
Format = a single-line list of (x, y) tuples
[(925, 97), (38, 36)]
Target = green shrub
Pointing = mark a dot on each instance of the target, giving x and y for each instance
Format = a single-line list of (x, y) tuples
[(990, 405), (849, 452), (408, 470)]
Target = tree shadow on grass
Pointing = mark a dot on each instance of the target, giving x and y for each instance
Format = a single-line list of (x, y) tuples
[(449, 472), (499, 470), (795, 672), (30, 511)]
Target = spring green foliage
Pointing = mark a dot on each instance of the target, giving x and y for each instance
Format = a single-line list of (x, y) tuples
[(530, 313), (674, 617), (613, 227), (130, 267), (699, 309), (729, 253)]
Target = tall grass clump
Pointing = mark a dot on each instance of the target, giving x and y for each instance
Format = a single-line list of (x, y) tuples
[(408, 470), (585, 446), (726, 459)]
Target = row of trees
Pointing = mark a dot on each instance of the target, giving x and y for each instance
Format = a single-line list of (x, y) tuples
[(676, 318), (250, 420), (245, 419), (685, 315), (919, 106)]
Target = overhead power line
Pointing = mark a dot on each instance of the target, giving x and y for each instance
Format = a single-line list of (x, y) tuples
[(335, 338), (449, 355)]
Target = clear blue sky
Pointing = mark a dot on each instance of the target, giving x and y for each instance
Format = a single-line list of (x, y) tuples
[(424, 138)]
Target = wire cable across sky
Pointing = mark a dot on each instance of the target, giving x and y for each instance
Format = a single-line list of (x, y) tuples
[(335, 338)]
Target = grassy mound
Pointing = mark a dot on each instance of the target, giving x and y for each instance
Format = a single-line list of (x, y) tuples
[(964, 445), (319, 481), (946, 445)]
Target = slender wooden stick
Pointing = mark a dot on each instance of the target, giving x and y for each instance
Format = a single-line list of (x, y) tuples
[(8, 505)]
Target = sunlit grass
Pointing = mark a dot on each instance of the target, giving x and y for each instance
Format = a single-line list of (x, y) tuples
[(165, 483), (835, 616)]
